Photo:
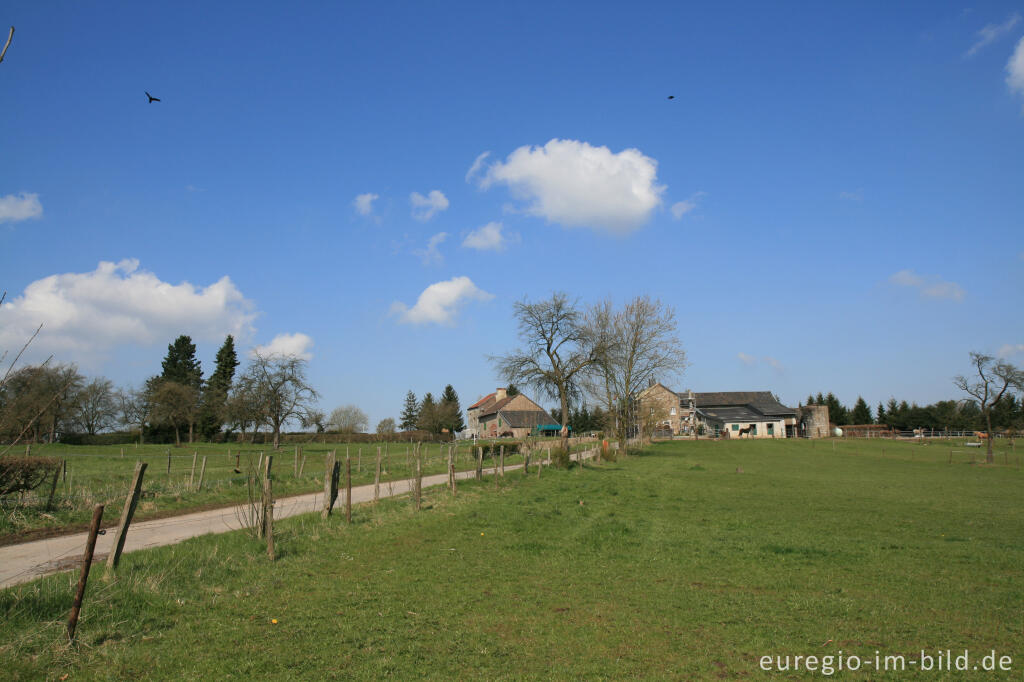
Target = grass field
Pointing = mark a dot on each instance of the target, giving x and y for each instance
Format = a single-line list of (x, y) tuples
[(102, 475), (667, 565)]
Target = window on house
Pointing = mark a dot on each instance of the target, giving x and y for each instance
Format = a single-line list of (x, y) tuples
[(672, 412), (753, 429), (735, 427), (771, 429)]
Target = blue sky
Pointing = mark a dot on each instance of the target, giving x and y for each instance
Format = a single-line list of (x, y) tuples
[(831, 201)]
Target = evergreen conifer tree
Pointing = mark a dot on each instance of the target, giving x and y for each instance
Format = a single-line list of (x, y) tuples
[(215, 393), (428, 420), (861, 412), (410, 412), (451, 410), (181, 365)]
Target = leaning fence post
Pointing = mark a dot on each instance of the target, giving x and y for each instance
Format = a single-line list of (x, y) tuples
[(480, 464), (126, 516), (192, 477), (90, 547), (202, 474), (503, 460)]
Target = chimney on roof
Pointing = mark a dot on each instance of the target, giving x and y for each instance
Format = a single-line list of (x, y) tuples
[(500, 394)]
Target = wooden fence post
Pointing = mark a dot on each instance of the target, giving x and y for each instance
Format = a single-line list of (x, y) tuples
[(359, 461), (329, 485), (526, 463), (90, 547), (295, 465), (480, 464), (416, 481), (302, 464), (202, 474), (126, 516), (168, 463), (348, 489), (268, 508), (53, 488), (192, 477), (376, 479), (503, 461)]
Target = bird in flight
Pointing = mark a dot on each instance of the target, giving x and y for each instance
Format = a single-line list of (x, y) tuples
[(152, 99), (671, 96)]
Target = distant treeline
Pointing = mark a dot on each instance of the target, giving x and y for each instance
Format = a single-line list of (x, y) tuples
[(944, 415)]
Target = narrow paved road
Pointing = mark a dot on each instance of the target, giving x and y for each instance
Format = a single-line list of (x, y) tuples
[(31, 560)]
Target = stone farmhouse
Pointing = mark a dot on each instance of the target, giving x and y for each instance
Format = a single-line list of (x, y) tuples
[(730, 414), (498, 414)]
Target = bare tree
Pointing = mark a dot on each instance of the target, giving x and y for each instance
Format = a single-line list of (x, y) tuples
[(40, 399), (348, 419), (176, 405), (242, 409), (640, 345), (994, 378), (134, 408), (280, 389), (557, 348), (386, 426), (315, 418), (96, 407)]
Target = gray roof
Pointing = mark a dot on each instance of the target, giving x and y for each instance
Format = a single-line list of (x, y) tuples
[(732, 414), (761, 401), (526, 419)]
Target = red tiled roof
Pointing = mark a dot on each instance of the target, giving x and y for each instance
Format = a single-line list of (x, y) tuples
[(493, 408), (481, 401)]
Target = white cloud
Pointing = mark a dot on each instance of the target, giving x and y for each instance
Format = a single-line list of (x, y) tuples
[(364, 203), (681, 208), (489, 238), (478, 163), (440, 302), (1010, 349), (90, 313), (929, 287), (773, 363), (746, 359), (296, 345), (576, 185), (991, 33), (14, 208), (431, 254), (1015, 69), (425, 207), (857, 195)]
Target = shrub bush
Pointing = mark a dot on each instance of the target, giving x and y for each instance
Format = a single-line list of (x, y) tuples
[(19, 474), (560, 458)]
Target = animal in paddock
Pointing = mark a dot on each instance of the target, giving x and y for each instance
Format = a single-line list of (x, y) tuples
[(746, 431)]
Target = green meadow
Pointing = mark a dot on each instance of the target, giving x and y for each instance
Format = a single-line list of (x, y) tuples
[(689, 560), (103, 475)]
